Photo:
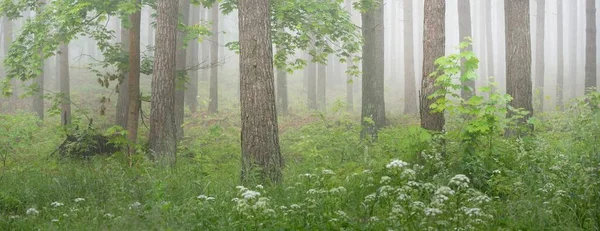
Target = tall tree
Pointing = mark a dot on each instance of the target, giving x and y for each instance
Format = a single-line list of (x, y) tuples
[(312, 84), (373, 104), (539, 52), (349, 85), (151, 30), (163, 140), (123, 97), (321, 86), (7, 29), (213, 105), (410, 85), (181, 61), (590, 46), (282, 91), (260, 139), (518, 55), (191, 95), (205, 57), (133, 81), (573, 49), (560, 70), (433, 48), (65, 85), (464, 30), (490, 39)]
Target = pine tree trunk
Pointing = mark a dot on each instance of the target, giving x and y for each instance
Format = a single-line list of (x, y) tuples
[(410, 85), (312, 84), (560, 75), (539, 54), (205, 54), (490, 43), (65, 87), (321, 86), (163, 142), (282, 92), (518, 55), (133, 82), (433, 48), (590, 47), (191, 95), (464, 30), (184, 11), (123, 97), (373, 104), (213, 105), (260, 139)]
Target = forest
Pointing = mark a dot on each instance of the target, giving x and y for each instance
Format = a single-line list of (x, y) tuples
[(299, 115)]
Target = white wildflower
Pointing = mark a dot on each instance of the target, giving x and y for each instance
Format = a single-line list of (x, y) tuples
[(396, 164), (241, 188), (109, 215), (13, 217), (56, 204), (260, 186), (201, 197), (283, 207), (417, 205), (496, 172), (338, 190), (472, 211), (413, 184), (32, 211), (384, 190), (54, 220), (366, 171), (135, 205), (249, 194), (210, 199), (77, 200), (261, 203), (294, 206), (311, 191), (460, 180), (432, 211), (480, 199), (341, 213), (403, 197), (307, 175), (409, 173), (398, 209), (444, 191), (269, 211), (327, 172), (374, 219), (370, 197), (385, 180)]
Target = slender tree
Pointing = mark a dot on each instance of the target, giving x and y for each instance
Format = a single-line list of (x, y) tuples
[(7, 29), (213, 105), (433, 48), (590, 46), (539, 52), (282, 91), (123, 97), (560, 75), (573, 49), (312, 84), (65, 87), (464, 30), (151, 30), (191, 92), (181, 61), (260, 139), (410, 85), (163, 140), (321, 86), (205, 56), (518, 55), (133, 81), (490, 40)]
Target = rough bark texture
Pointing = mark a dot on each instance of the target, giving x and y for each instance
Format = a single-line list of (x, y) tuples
[(490, 42), (590, 46), (213, 105), (133, 82), (410, 85), (181, 60), (539, 53), (282, 92), (573, 50), (373, 104), (433, 48), (191, 92), (123, 97), (163, 142), (261, 156), (560, 70), (464, 30), (518, 54), (321, 86), (65, 86)]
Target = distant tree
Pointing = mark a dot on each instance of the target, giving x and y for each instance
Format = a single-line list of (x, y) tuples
[(464, 30), (181, 61), (205, 57), (213, 105), (573, 48), (163, 139), (312, 84), (7, 31), (539, 52), (373, 104), (560, 70), (490, 40), (133, 82), (433, 48), (65, 85), (282, 91), (590, 47), (321, 87), (518, 55), (410, 86), (38, 96), (261, 154), (121, 117), (191, 91)]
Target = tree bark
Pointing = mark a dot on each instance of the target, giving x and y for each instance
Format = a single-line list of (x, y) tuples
[(321, 86), (260, 140), (560, 75), (133, 81), (573, 49), (539, 53), (123, 97), (518, 55), (410, 85), (191, 96), (464, 30), (181, 60), (490, 43), (433, 48), (38, 96), (590, 47), (163, 142), (205, 58), (373, 104), (65, 87), (213, 105)]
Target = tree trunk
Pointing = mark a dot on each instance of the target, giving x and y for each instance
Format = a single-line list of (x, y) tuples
[(181, 60), (213, 105), (7, 28), (321, 86), (205, 58), (163, 140), (282, 92), (312, 84), (518, 55), (260, 139), (191, 95), (590, 47), (65, 87), (410, 86), (573, 49), (38, 96), (151, 30), (134, 79), (560, 71), (349, 86), (123, 97), (490, 43), (394, 41), (539, 53), (433, 48), (373, 104), (464, 30)]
